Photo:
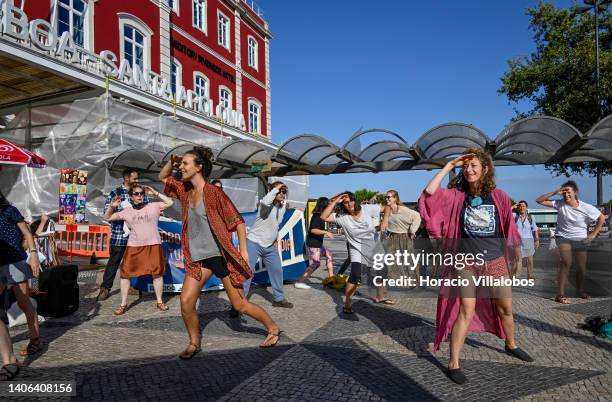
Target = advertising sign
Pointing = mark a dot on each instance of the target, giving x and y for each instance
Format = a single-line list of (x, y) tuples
[(72, 196)]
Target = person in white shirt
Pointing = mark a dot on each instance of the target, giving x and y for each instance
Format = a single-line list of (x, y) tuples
[(526, 225), (571, 234), (360, 230)]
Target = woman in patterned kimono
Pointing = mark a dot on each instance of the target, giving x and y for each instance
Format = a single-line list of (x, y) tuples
[(473, 217), (209, 217)]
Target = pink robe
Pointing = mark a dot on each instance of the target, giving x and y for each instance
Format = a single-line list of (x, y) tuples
[(441, 212)]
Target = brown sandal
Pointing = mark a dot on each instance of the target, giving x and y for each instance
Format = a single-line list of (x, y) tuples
[(34, 346), (189, 355), (121, 309), (162, 306)]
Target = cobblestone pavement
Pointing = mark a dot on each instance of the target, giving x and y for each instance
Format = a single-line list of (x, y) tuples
[(379, 353)]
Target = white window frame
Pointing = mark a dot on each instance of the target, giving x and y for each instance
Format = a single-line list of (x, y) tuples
[(204, 13), (175, 6), (228, 33), (87, 41), (196, 75), (137, 23), (179, 75), (231, 96), (254, 102), (255, 62)]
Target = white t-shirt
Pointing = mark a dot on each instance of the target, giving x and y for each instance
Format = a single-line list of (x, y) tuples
[(572, 223), (360, 233)]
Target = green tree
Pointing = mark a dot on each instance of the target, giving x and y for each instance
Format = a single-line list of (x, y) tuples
[(558, 78), (364, 194)]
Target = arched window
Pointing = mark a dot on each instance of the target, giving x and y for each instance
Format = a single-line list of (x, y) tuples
[(176, 75), (135, 41), (201, 84), (252, 52), (225, 98), (199, 14), (254, 116), (223, 30), (72, 17)]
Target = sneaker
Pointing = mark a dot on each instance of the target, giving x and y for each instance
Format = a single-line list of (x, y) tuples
[(519, 354), (457, 376), (283, 303), (301, 285), (103, 295)]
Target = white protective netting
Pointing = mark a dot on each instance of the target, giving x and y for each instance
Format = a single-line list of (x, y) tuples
[(101, 136)]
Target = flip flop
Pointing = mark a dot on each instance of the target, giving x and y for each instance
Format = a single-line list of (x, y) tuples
[(562, 300), (385, 301)]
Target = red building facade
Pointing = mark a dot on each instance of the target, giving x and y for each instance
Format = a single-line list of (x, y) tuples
[(209, 56)]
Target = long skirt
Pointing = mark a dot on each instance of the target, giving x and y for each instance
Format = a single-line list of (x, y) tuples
[(399, 242)]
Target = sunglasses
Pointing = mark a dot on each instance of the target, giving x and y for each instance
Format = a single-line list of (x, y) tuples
[(283, 190), (137, 193), (388, 196)]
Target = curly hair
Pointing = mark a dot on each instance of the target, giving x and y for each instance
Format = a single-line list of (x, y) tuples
[(202, 156), (351, 196), (487, 180)]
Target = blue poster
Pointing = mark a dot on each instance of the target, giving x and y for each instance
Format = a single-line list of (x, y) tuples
[(291, 242)]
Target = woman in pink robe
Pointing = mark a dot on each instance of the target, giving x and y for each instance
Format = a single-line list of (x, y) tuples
[(473, 216)]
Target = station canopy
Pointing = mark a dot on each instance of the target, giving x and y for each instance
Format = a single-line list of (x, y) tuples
[(103, 135)]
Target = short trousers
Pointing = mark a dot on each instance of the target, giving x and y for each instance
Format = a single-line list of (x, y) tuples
[(577, 245), (315, 256), (355, 276), (15, 272), (217, 265)]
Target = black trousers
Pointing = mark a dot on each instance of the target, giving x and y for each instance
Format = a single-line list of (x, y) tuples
[(116, 255)]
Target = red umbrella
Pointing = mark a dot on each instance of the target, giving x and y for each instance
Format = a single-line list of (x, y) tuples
[(12, 154)]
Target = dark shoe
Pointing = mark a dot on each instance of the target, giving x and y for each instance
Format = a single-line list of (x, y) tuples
[(233, 313), (519, 354), (457, 376), (283, 303), (103, 295)]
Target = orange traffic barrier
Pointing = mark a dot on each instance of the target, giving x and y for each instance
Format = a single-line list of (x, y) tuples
[(83, 240)]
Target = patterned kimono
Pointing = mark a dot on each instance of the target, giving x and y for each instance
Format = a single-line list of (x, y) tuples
[(223, 218)]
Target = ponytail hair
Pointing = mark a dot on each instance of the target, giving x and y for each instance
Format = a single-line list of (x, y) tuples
[(202, 156)]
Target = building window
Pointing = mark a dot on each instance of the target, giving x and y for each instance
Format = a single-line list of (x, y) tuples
[(224, 31), (174, 5), (71, 17), (133, 46), (176, 76), (135, 41), (201, 86), (199, 14), (225, 98), (252, 52), (254, 117)]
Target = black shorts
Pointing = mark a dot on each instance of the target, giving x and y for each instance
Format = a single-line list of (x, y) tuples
[(577, 245), (355, 276), (217, 265)]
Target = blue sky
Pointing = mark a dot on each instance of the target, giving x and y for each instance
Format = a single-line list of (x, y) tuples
[(407, 66)]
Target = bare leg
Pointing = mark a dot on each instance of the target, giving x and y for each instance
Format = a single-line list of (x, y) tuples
[(125, 289), (189, 297), (349, 291), (307, 274), (158, 286), (530, 267), (25, 304), (581, 260), (565, 252), (504, 310), (460, 328), (6, 346), (244, 306)]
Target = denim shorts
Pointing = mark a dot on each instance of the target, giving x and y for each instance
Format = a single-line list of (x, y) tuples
[(577, 245)]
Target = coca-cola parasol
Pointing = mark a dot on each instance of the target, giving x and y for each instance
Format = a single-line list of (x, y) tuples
[(11, 154)]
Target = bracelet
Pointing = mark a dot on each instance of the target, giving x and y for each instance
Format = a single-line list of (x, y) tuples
[(32, 250)]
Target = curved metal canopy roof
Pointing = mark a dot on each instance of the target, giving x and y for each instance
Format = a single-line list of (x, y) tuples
[(532, 140)]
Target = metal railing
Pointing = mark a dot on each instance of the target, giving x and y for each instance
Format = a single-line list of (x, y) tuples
[(253, 6)]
